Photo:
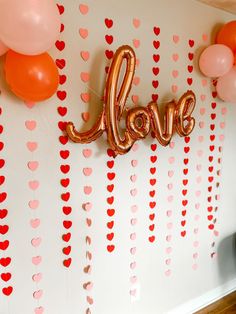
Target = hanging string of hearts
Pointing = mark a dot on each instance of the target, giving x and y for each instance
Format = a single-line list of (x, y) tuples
[(28, 29), (219, 61)]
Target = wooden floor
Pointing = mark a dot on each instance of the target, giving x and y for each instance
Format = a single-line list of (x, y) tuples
[(226, 305)]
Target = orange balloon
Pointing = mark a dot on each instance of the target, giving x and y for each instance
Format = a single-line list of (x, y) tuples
[(227, 35), (31, 78)]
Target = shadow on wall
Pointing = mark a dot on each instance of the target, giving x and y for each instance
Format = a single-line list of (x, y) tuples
[(227, 258)]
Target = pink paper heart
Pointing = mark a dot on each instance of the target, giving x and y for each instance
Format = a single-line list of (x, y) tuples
[(200, 138), (37, 277), (170, 173), (174, 88), (135, 147), (87, 206), (39, 310), (33, 165), (197, 205), (87, 190), (175, 39), (170, 225), (222, 125), (171, 160), (197, 217), (175, 57), (169, 213), (201, 124), (199, 179), (133, 265), (83, 32), (195, 266), (33, 204), (216, 233), (199, 153), (29, 104), (195, 243), (195, 255), (87, 152), (134, 163), (133, 250), (136, 80), (168, 238), (172, 145), (168, 272), (85, 77), (221, 137), (135, 99), (87, 171), (168, 261), (133, 236), (133, 178), (168, 250), (133, 221), (36, 260), (204, 37), (133, 192), (170, 186), (30, 124), (33, 185), (85, 55), (203, 97), (170, 198), (224, 111), (204, 82), (202, 111), (136, 22), (199, 167), (133, 279), (35, 222), (175, 73), (136, 43), (133, 292), (83, 9), (32, 146), (134, 208), (36, 242), (198, 193), (38, 294), (85, 97)]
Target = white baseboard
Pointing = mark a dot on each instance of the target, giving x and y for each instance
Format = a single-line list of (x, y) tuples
[(209, 297)]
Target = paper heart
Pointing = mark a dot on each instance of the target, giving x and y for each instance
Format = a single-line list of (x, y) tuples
[(136, 80), (133, 265), (171, 160), (133, 250), (175, 57), (200, 138), (85, 55), (134, 208), (35, 223), (136, 22), (170, 186), (136, 43), (168, 250), (83, 32), (204, 37), (195, 255), (85, 97), (87, 171), (174, 88), (132, 236), (85, 77), (169, 225), (135, 99), (168, 238), (224, 111), (110, 248), (195, 243), (203, 97), (88, 286), (30, 124), (33, 185), (6, 276), (194, 266), (175, 39), (133, 178), (32, 146), (33, 165), (33, 204), (221, 137), (133, 221), (175, 73), (199, 167), (204, 82), (199, 153), (133, 192), (39, 310), (170, 173), (87, 206), (29, 104), (168, 261), (7, 290), (133, 292), (151, 239), (172, 145), (133, 279), (169, 213), (87, 153), (37, 277), (83, 9), (36, 260), (108, 23), (134, 163), (36, 242), (38, 294), (201, 124)]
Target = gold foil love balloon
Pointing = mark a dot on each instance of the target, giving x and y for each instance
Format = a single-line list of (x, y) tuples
[(139, 120)]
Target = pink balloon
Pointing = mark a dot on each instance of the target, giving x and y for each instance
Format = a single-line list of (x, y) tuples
[(216, 60), (29, 27), (3, 49), (226, 86)]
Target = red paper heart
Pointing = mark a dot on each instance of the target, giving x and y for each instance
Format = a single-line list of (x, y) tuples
[(7, 290), (189, 81), (152, 181), (183, 233), (190, 56), (153, 170), (6, 276), (62, 111), (4, 245), (2, 180), (152, 193), (152, 227), (156, 30), (190, 68), (67, 262), (60, 44), (4, 229), (62, 125), (64, 154), (3, 197), (110, 236), (110, 153), (156, 44), (66, 210), (185, 202), (110, 188), (2, 163), (111, 212), (62, 79), (111, 176), (66, 237), (155, 98), (67, 224), (3, 213), (191, 43), (110, 224), (1, 129), (5, 261), (63, 139), (61, 8), (109, 54), (109, 39), (110, 164), (156, 57), (152, 204), (151, 239), (67, 250), (153, 147), (155, 70), (65, 168), (109, 23), (155, 83), (65, 196), (61, 63), (110, 248), (61, 95), (110, 200), (153, 159), (65, 182), (152, 217)]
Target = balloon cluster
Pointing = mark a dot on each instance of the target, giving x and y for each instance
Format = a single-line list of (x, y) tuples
[(28, 28), (219, 61)]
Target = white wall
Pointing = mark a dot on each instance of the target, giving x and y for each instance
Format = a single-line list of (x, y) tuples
[(174, 274)]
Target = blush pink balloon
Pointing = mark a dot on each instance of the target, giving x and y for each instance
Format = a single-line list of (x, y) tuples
[(216, 60), (29, 27), (226, 86), (3, 49)]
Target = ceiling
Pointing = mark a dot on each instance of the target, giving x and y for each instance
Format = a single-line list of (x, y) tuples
[(226, 5)]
